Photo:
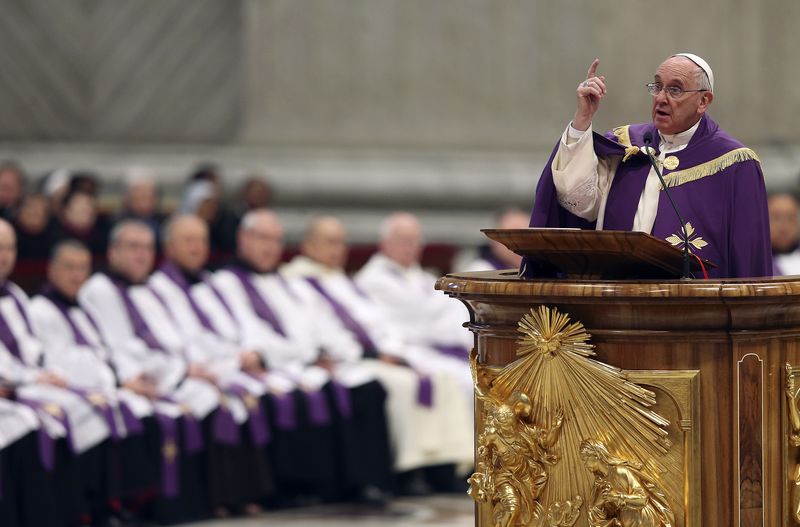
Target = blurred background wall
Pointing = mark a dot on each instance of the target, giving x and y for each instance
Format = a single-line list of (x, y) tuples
[(448, 108)]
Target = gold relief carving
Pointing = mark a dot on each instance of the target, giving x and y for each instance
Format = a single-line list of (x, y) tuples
[(793, 466), (512, 459), (623, 495), (552, 400), (678, 400)]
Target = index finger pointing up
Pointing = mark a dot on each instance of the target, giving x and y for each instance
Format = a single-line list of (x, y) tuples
[(593, 69)]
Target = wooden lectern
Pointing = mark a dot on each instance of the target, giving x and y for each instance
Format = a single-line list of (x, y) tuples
[(632, 402)]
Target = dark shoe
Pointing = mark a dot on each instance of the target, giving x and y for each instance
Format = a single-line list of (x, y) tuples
[(413, 484), (372, 496)]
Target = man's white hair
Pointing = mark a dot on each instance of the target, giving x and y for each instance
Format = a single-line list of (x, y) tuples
[(249, 220), (389, 223), (168, 227), (130, 223)]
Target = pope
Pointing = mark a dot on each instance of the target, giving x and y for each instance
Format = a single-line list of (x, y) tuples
[(594, 181)]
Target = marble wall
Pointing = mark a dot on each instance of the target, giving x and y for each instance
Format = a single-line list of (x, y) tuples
[(502, 73), (482, 74)]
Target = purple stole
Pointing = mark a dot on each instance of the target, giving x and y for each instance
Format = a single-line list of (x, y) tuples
[(47, 452), (170, 480), (49, 292), (193, 437), (224, 426), (257, 302), (425, 391), (367, 345), (257, 421), (46, 443), (132, 424), (316, 404), (140, 327), (175, 274), (6, 335)]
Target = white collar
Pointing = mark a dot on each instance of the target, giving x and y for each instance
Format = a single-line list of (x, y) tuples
[(393, 264), (675, 140), (303, 266)]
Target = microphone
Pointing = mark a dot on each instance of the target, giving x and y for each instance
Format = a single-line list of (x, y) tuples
[(648, 139)]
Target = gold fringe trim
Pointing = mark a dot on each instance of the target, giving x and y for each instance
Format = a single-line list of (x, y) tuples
[(709, 168), (629, 152), (623, 135)]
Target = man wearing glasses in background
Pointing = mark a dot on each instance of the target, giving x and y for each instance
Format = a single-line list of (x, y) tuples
[(595, 181)]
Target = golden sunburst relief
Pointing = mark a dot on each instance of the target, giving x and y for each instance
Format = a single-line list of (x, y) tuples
[(557, 374)]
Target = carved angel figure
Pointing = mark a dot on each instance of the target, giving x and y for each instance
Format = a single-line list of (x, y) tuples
[(623, 495), (513, 454), (792, 400)]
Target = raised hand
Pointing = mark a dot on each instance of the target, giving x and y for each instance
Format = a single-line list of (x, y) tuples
[(589, 94)]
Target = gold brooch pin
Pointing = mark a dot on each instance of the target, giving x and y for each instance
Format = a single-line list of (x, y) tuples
[(671, 163)]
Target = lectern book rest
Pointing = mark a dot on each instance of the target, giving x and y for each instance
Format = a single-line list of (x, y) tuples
[(586, 254)]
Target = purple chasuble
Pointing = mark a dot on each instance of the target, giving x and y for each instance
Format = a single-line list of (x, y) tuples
[(724, 200)]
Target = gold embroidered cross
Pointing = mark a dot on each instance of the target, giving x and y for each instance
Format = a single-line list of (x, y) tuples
[(697, 242)]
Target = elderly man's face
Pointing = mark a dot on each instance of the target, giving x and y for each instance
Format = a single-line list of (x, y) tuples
[(784, 222), (261, 245), (403, 244), (69, 270), (327, 244), (8, 250), (133, 253), (672, 116), (141, 199), (187, 245)]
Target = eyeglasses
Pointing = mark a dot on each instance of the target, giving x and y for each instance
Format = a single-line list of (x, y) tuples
[(674, 92)]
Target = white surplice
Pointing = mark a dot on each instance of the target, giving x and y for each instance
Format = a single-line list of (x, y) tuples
[(87, 428), (84, 366), (16, 421), (425, 316), (444, 430), (166, 366)]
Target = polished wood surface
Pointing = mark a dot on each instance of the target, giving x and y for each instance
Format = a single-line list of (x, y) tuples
[(588, 254), (738, 334)]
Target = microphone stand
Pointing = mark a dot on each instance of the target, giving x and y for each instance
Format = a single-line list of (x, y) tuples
[(686, 274)]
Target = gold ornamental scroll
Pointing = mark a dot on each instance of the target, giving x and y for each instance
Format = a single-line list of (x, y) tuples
[(792, 456), (564, 439)]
